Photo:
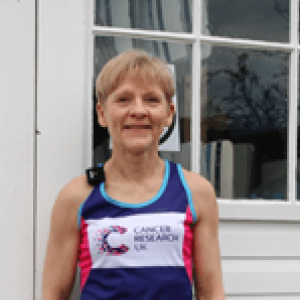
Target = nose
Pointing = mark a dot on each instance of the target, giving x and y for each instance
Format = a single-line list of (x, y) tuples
[(138, 109)]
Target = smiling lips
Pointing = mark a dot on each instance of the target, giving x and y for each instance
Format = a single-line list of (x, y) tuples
[(137, 127)]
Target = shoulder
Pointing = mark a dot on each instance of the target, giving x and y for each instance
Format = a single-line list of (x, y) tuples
[(203, 194), (70, 198), (75, 190)]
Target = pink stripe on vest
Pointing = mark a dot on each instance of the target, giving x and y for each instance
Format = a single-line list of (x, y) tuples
[(188, 244), (85, 258)]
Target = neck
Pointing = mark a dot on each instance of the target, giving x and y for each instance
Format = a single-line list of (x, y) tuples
[(134, 166)]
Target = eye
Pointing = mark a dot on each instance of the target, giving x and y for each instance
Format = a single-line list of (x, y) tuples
[(123, 99), (153, 99)]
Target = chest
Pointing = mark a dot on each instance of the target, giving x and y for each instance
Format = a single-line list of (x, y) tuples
[(133, 193)]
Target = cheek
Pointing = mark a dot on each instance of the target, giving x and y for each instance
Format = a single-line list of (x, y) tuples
[(116, 120), (160, 119)]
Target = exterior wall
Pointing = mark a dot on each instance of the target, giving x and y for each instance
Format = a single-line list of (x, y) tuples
[(260, 260), (62, 145), (17, 113)]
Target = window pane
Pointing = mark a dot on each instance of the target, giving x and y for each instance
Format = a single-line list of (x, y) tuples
[(163, 15), (244, 122), (177, 54), (251, 19)]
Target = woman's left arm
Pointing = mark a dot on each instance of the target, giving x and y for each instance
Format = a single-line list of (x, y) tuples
[(207, 264)]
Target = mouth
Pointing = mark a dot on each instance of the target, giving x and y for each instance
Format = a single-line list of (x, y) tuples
[(137, 127)]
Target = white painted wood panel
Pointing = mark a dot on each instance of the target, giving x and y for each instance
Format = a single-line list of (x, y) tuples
[(62, 145), (17, 108), (260, 210), (260, 258), (256, 239), (261, 276)]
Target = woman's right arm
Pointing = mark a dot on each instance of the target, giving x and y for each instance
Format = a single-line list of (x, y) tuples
[(60, 263)]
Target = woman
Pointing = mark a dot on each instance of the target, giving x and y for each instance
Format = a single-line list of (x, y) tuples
[(142, 232)]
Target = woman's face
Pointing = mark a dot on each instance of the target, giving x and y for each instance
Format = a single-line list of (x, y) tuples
[(135, 115)]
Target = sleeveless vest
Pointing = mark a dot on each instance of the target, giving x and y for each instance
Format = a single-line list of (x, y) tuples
[(138, 251)]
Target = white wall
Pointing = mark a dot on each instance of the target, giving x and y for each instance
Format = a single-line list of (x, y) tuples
[(17, 113), (260, 259), (63, 148)]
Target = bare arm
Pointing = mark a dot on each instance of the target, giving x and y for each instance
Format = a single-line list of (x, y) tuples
[(207, 265), (62, 250)]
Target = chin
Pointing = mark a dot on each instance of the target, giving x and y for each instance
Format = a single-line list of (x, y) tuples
[(140, 146)]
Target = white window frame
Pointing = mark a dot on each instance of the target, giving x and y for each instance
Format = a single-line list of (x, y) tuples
[(242, 209)]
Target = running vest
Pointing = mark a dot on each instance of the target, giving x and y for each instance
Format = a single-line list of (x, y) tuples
[(138, 251)]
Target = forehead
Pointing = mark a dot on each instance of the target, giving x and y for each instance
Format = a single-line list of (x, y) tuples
[(135, 84)]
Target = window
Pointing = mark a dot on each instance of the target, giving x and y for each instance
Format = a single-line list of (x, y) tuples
[(236, 65)]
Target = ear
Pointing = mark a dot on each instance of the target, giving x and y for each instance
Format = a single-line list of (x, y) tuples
[(101, 115), (170, 114)]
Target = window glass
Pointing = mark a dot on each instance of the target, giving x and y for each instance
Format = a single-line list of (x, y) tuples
[(244, 118), (163, 15), (251, 19), (177, 54)]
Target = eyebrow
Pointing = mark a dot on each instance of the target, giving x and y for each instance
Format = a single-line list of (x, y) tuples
[(153, 94), (147, 94), (124, 92)]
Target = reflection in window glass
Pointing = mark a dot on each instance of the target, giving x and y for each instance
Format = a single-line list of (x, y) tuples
[(180, 56), (163, 15), (251, 19), (244, 113)]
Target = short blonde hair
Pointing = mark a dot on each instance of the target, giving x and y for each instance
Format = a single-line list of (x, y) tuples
[(136, 63)]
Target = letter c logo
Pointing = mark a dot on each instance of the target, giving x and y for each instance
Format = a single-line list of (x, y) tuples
[(104, 245)]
